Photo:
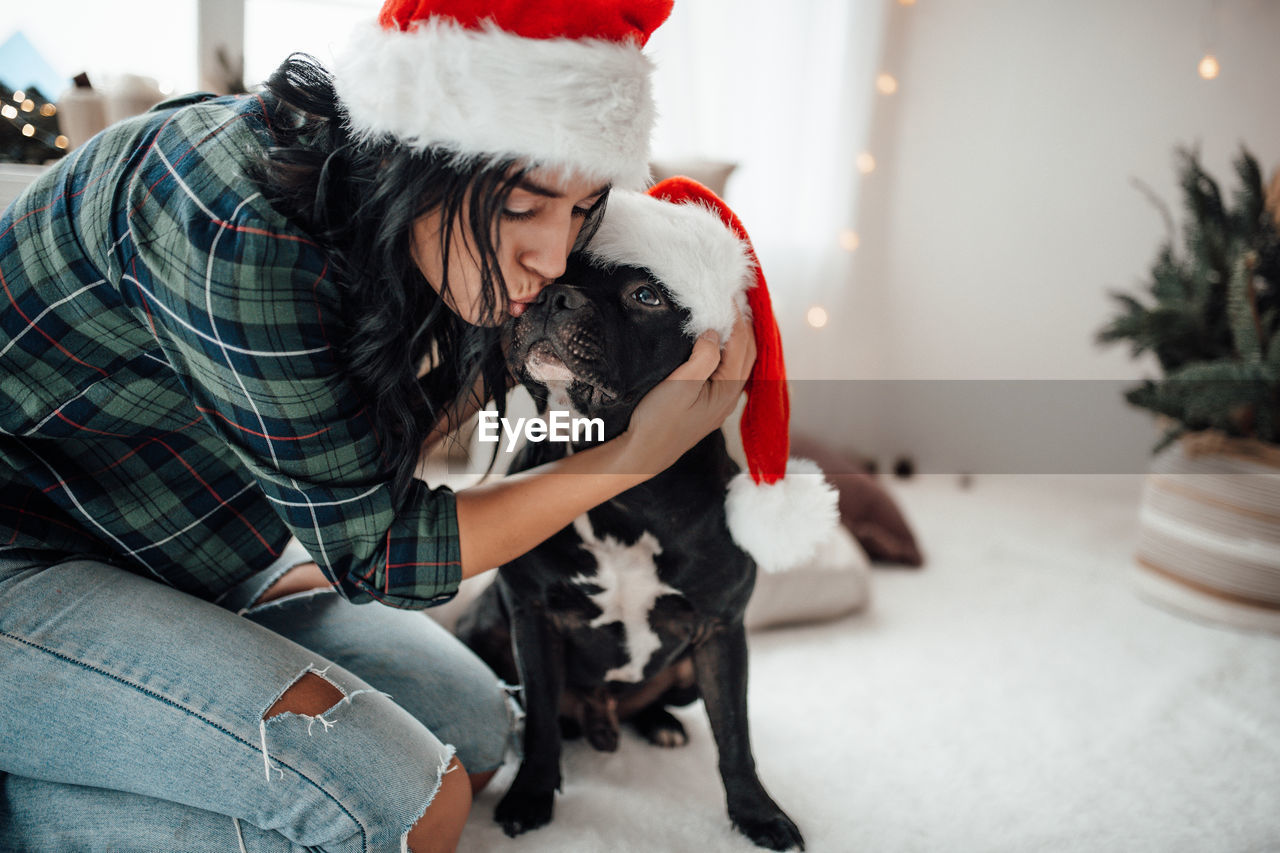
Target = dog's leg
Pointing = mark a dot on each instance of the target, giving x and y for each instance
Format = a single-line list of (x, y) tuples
[(600, 719), (720, 661), (486, 629), (658, 726), (539, 650), (646, 708)]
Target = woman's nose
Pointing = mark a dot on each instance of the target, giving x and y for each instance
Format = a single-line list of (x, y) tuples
[(548, 256), (546, 262)]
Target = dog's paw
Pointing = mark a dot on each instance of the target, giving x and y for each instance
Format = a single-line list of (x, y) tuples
[(775, 832), (602, 735), (521, 811), (570, 729), (660, 728)]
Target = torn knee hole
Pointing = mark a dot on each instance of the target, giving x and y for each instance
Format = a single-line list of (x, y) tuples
[(311, 695)]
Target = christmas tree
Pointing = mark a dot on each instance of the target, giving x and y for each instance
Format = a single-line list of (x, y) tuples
[(1212, 314)]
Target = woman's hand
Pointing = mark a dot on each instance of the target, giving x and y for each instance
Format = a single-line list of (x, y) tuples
[(694, 400)]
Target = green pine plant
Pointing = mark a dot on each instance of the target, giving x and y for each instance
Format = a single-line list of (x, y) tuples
[(1211, 312)]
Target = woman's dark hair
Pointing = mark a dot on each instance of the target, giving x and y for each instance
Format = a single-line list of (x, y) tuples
[(359, 198)]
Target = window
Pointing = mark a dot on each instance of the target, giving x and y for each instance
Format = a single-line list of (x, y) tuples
[(153, 38), (275, 28)]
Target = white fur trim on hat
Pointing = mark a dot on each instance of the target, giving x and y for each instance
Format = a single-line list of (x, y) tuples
[(687, 247), (781, 525), (572, 104)]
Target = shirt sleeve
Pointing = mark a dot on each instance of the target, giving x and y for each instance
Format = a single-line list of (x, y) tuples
[(245, 309)]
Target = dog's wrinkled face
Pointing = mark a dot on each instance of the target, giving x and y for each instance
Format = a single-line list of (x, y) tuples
[(597, 340)]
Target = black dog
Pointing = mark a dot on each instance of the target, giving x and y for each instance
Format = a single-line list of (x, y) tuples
[(638, 604)]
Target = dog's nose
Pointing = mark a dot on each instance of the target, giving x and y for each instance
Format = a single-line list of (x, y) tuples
[(563, 298)]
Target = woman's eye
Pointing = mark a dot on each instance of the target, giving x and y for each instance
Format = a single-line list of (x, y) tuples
[(519, 215), (582, 212), (646, 296)]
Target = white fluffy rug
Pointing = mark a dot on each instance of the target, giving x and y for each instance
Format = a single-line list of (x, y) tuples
[(1015, 695)]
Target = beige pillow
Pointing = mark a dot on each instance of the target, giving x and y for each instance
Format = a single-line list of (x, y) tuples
[(712, 174), (836, 582), (447, 614)]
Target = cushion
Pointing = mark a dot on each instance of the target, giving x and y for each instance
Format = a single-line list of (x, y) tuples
[(836, 582), (712, 174), (447, 614)]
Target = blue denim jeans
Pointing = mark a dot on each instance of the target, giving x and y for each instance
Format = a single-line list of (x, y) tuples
[(132, 716)]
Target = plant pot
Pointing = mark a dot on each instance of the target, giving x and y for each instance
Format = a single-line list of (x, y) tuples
[(1209, 531)]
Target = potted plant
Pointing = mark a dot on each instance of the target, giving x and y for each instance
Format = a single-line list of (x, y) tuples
[(1209, 541)]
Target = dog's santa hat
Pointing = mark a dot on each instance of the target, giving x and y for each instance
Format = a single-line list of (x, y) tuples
[(553, 83), (779, 510)]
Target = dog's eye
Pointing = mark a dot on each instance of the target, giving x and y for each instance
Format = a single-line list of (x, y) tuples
[(646, 296)]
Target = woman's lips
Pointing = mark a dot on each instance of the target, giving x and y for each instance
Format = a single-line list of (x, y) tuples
[(516, 307)]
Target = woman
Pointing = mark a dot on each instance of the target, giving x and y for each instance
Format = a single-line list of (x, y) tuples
[(210, 414)]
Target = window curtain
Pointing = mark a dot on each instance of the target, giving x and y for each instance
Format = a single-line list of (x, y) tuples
[(786, 92)]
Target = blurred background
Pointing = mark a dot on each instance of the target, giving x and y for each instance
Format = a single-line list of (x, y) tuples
[(937, 190), (945, 197)]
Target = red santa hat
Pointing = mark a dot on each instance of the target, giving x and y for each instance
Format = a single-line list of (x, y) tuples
[(779, 510), (556, 83)]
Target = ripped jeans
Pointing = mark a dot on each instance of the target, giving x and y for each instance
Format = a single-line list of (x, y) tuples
[(132, 716)]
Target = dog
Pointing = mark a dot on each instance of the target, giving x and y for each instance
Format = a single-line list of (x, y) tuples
[(638, 604)]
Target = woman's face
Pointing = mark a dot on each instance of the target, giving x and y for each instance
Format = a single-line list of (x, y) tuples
[(534, 235)]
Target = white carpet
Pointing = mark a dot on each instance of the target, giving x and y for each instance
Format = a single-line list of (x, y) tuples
[(1015, 695)]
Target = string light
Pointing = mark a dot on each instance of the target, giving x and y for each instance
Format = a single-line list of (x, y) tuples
[(13, 113), (886, 84), (1208, 67)]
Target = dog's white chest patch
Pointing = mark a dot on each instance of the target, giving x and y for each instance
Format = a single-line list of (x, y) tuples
[(629, 586)]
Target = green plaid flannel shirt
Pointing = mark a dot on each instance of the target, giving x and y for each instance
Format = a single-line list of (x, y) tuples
[(170, 397)]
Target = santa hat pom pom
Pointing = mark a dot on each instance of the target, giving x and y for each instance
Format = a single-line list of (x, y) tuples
[(782, 524)]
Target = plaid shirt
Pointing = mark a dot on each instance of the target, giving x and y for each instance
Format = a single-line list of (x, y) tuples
[(170, 399)]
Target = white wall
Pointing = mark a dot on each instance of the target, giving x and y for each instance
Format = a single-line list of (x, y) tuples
[(1002, 211)]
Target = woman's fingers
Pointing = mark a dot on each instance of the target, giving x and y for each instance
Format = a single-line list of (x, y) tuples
[(676, 415), (719, 375), (739, 353), (704, 359), (709, 361)]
